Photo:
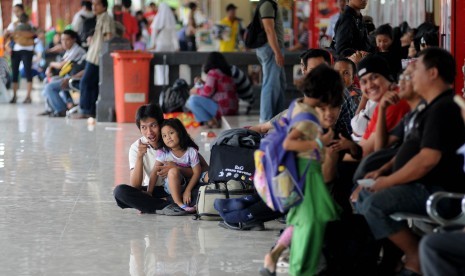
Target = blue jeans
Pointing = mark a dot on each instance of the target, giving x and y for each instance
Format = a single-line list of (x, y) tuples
[(273, 84), (57, 98), (204, 109), (377, 207), (89, 89)]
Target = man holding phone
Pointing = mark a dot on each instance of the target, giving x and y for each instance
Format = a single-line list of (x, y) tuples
[(142, 157)]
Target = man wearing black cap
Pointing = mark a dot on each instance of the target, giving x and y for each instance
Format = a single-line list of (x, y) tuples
[(375, 81), (230, 42)]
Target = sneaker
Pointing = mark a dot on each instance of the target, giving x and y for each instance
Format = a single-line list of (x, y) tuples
[(172, 210), (243, 226), (45, 113)]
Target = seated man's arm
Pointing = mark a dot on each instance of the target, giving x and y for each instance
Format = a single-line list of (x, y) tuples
[(368, 145), (65, 81), (136, 176), (262, 128), (57, 64), (420, 165)]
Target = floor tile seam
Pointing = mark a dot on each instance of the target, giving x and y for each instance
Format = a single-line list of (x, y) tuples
[(74, 206)]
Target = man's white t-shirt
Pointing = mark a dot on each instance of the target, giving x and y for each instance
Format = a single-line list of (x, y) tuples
[(149, 160)]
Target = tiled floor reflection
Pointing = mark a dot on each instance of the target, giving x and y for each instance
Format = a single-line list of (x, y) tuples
[(58, 216)]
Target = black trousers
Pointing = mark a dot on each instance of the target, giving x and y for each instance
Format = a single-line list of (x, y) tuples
[(129, 197), (16, 58)]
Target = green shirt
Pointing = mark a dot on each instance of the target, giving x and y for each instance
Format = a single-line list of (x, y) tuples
[(267, 11)]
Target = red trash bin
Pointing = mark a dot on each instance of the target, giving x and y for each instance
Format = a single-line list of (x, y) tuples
[(131, 74)]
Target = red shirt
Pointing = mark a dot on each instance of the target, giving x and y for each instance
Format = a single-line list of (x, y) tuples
[(131, 26), (394, 114), (221, 89)]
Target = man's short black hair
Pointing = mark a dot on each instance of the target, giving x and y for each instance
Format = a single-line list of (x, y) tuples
[(351, 63), (127, 3), (71, 34), (192, 5), (384, 29), (231, 6), (87, 4), (430, 39), (24, 18), (104, 3), (325, 84), (21, 6), (149, 111), (315, 53), (435, 57)]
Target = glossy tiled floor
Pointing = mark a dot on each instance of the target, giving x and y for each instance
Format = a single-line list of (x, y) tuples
[(58, 216)]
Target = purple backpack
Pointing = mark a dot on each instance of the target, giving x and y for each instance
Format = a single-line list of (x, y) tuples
[(276, 177)]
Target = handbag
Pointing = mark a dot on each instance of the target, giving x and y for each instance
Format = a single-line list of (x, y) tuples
[(208, 193)]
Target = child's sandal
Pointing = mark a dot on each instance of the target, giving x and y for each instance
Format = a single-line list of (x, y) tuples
[(188, 209)]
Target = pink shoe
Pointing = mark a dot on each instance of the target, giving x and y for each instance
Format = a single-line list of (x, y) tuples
[(188, 209)]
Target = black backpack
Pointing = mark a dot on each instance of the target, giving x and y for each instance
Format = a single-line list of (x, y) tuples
[(173, 99), (232, 156), (255, 35), (88, 28)]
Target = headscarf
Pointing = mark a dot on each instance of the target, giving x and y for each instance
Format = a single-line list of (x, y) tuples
[(164, 18)]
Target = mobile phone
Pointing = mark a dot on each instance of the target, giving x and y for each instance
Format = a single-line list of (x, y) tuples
[(460, 101), (366, 183)]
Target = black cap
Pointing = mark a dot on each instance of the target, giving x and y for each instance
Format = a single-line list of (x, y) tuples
[(374, 64), (231, 7)]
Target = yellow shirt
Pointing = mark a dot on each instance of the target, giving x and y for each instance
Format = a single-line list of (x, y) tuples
[(230, 45)]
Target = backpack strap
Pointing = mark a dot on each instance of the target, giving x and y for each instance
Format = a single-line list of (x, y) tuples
[(257, 11), (299, 117)]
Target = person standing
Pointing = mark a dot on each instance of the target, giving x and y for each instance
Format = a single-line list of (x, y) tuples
[(130, 23), (271, 59), (22, 49), (350, 31), (191, 28), (163, 39), (334, 18), (104, 30), (230, 42), (79, 18)]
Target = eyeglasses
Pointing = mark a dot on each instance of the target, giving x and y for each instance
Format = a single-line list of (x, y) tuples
[(405, 77)]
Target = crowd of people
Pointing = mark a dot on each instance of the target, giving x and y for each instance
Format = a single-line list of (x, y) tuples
[(73, 54), (372, 107), (382, 99)]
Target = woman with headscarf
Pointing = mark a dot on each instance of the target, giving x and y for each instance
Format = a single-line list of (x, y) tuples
[(163, 39)]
